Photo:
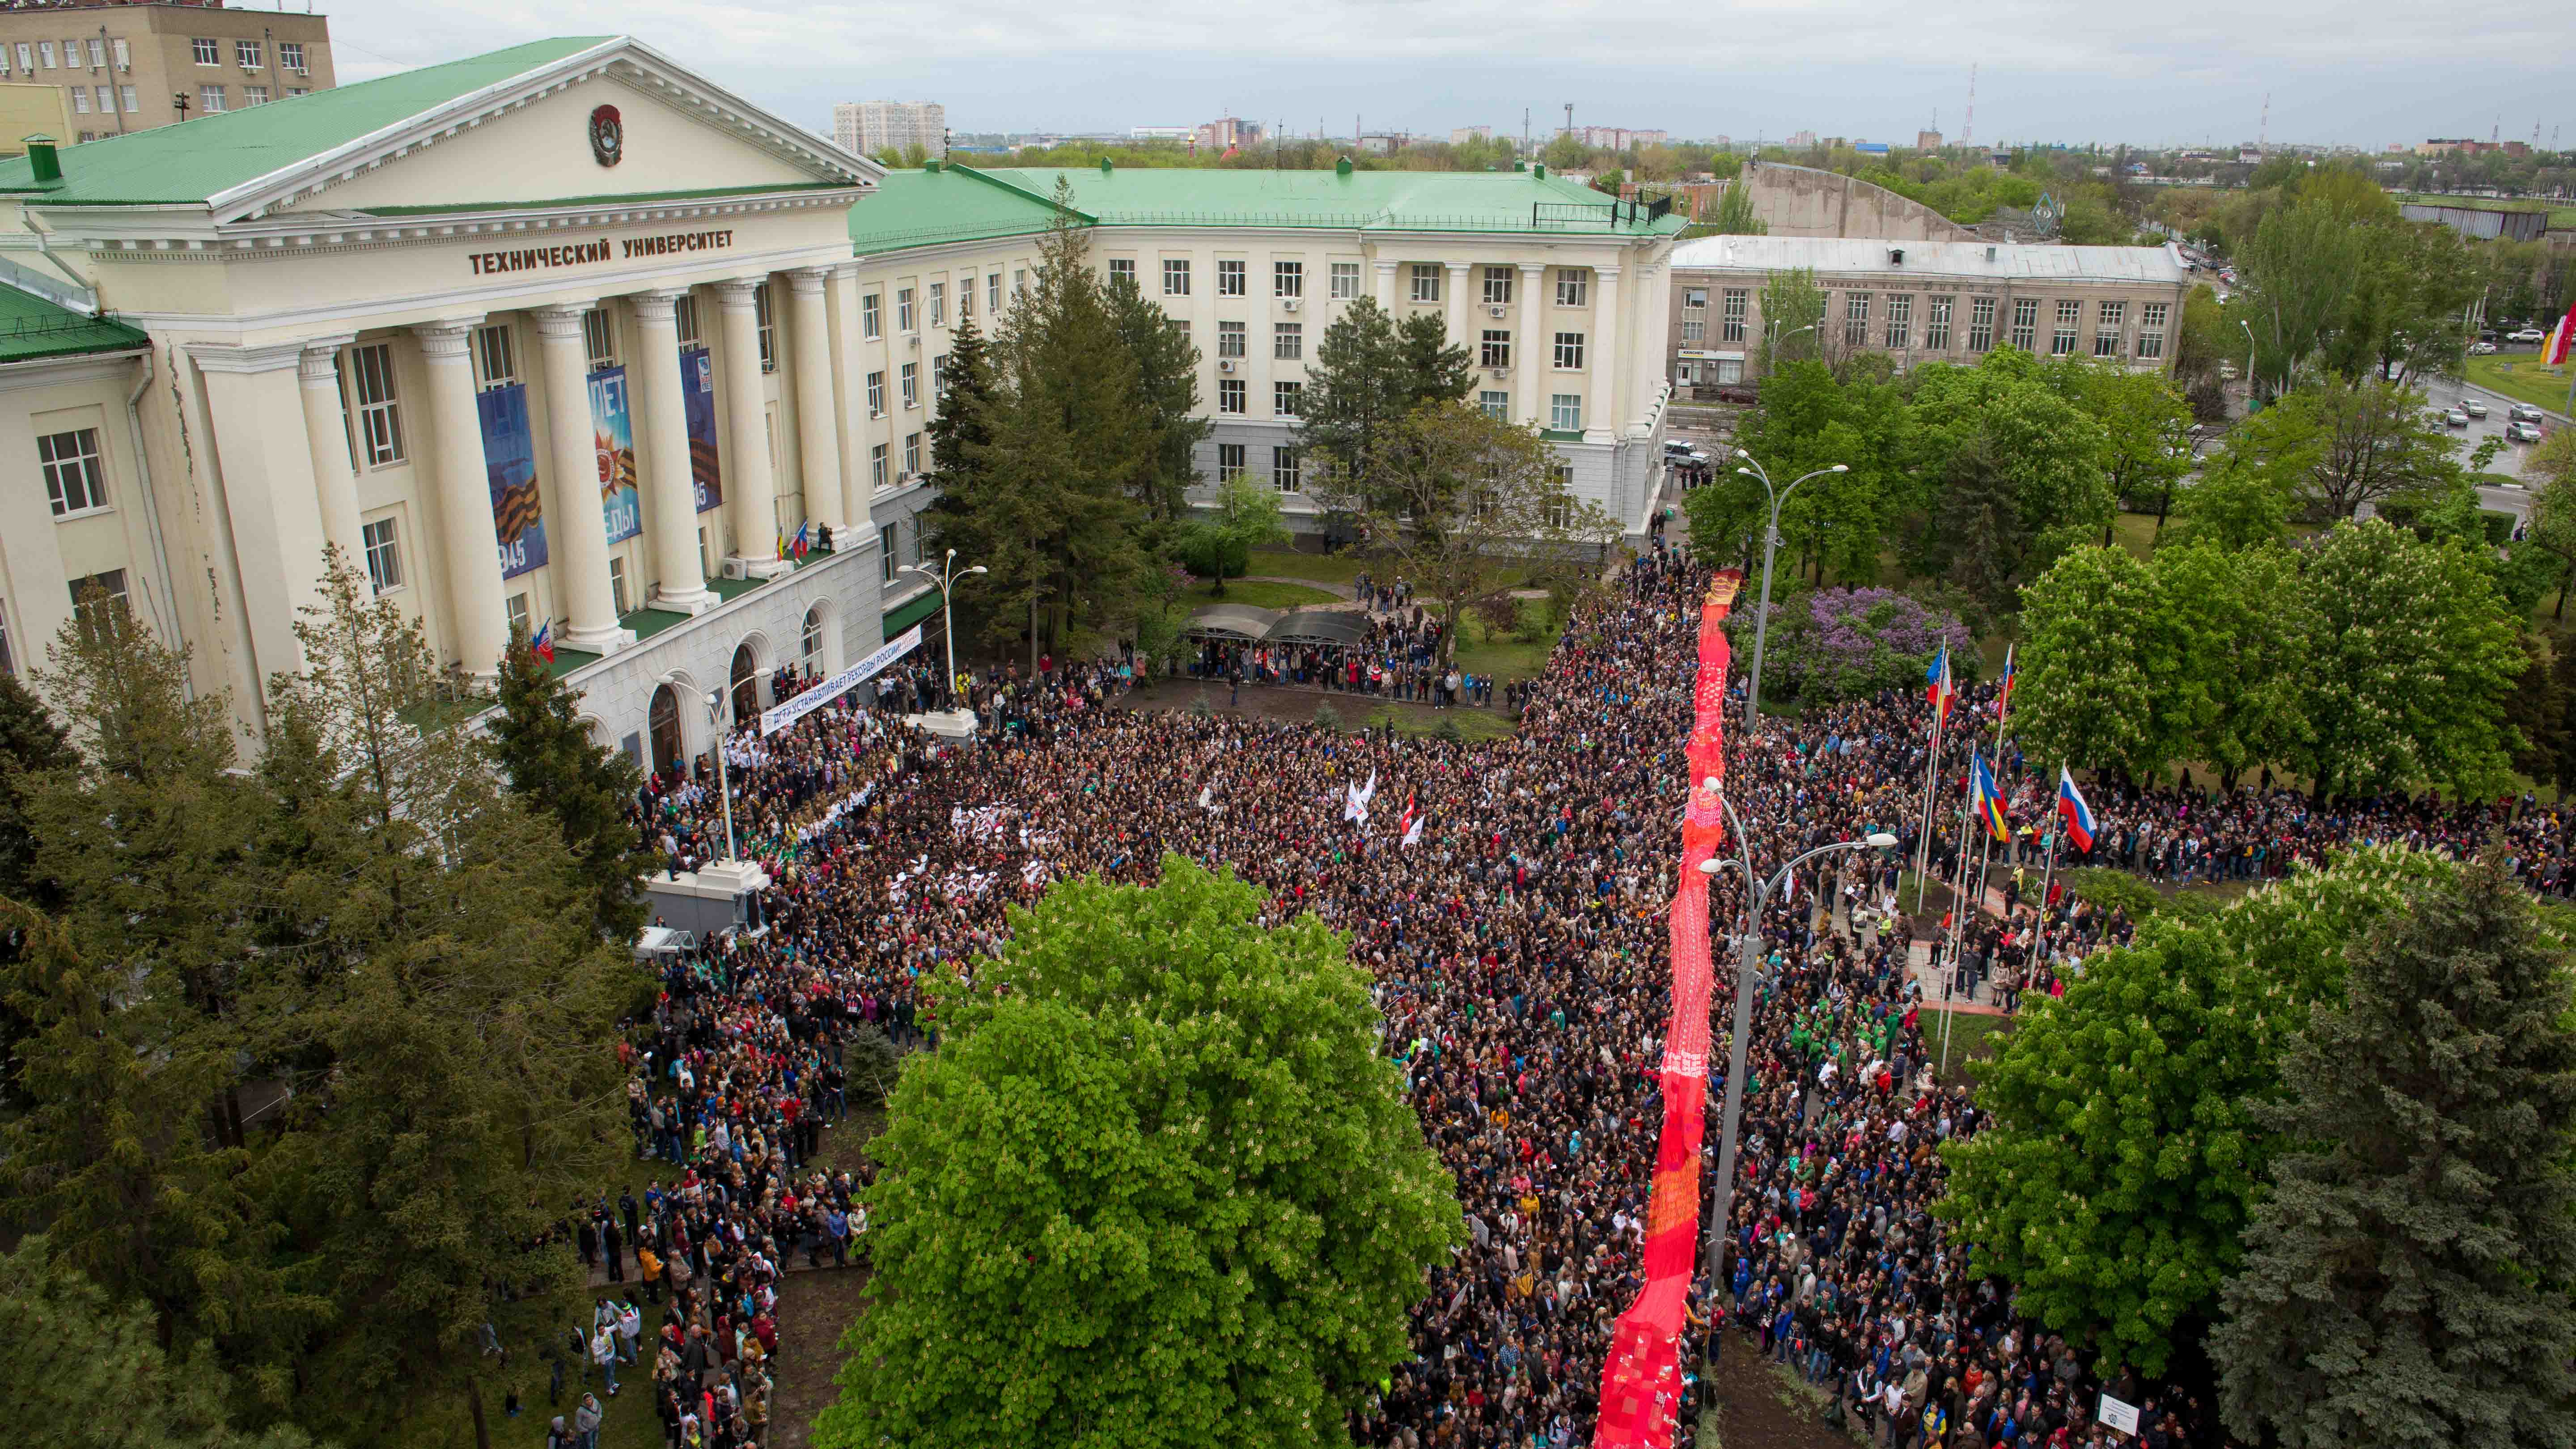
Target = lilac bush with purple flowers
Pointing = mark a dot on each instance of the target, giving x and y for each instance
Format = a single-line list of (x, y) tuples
[(1838, 644)]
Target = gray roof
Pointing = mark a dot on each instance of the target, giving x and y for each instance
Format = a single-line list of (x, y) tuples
[(1319, 626), (2010, 261), (1232, 621)]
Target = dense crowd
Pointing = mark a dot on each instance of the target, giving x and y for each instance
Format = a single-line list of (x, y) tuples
[(1518, 957)]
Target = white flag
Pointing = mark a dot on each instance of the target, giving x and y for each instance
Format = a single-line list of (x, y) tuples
[(1413, 832)]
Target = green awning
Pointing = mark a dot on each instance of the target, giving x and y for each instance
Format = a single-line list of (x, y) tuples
[(912, 613)]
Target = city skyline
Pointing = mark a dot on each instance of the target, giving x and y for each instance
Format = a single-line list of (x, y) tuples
[(2175, 75)]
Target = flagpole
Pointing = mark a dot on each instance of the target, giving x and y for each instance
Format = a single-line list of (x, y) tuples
[(1931, 786)]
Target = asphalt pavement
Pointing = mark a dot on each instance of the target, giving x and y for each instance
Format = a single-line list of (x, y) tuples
[(2444, 393)]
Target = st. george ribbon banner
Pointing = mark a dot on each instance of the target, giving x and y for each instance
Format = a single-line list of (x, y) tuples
[(787, 712), (1641, 1382)]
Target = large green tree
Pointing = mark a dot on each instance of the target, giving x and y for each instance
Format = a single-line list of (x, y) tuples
[(550, 760), (1809, 420), (1369, 373), (1167, 398), (2126, 1152), (2406, 1284), (1155, 1188), (1793, 322), (31, 742), (2027, 462), (2096, 650), (2298, 271)]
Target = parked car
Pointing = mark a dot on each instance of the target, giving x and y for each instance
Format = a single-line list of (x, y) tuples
[(2473, 407), (2523, 432), (2455, 419), (1739, 392), (2522, 412), (2481, 349), (2528, 334)]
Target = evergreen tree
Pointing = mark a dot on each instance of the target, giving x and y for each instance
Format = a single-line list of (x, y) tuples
[(1355, 390), (2407, 1283), (30, 742), (550, 760), (88, 1373), (1436, 370), (1167, 395), (450, 990)]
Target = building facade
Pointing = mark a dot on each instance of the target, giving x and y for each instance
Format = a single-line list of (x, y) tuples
[(567, 338), (1927, 301), (887, 128), (129, 67)]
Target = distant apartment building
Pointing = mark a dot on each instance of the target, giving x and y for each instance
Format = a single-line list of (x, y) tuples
[(1161, 133), (1927, 301), (2471, 146), (1927, 140), (1800, 140), (1617, 138), (1227, 133), (884, 128), (130, 67), (1461, 135)]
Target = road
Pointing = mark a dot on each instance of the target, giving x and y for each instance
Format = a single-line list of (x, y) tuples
[(2444, 392)]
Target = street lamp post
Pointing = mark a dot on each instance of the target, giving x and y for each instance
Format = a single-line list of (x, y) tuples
[(1757, 896), (1770, 546), (1779, 337), (714, 700), (2249, 356), (946, 578)]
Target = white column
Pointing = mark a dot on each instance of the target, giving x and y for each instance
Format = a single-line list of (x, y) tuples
[(670, 497), (1455, 298), (1601, 410), (849, 393), (335, 483), (1528, 359), (1649, 326), (576, 526), (478, 625), (1386, 285), (818, 437), (751, 487)]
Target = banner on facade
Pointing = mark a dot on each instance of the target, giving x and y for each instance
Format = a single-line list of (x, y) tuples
[(1641, 1381), (780, 716), (510, 458), (698, 403), (612, 436)]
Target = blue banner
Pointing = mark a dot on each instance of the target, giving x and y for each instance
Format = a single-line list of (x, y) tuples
[(612, 436), (510, 459), (698, 401)]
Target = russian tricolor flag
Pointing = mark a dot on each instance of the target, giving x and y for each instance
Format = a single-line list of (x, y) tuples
[(2079, 816)]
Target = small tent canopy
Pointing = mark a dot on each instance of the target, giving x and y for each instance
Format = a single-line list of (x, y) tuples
[(1238, 623), (1319, 626)]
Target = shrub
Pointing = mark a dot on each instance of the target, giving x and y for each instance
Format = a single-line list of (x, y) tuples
[(1327, 716), (1851, 643)]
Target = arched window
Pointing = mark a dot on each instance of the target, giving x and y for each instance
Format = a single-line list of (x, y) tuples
[(746, 685), (812, 653), (662, 722)]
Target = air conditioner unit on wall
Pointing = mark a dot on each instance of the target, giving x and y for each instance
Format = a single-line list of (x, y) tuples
[(1289, 304), (1499, 372), (1225, 364), (736, 569), (912, 341), (1496, 310)]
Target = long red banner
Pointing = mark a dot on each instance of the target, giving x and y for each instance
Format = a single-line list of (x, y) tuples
[(1641, 1382)]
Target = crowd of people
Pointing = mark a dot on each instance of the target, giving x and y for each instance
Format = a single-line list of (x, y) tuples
[(1518, 954)]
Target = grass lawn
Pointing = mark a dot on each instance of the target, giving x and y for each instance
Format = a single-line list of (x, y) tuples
[(1337, 568), (1973, 1035), (1416, 719), (1262, 596), (2521, 377), (2135, 532), (1504, 658)]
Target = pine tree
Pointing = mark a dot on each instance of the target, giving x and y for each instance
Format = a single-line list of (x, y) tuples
[(2407, 1284), (552, 762), (451, 991), (30, 741), (1436, 370), (1167, 395), (1359, 385)]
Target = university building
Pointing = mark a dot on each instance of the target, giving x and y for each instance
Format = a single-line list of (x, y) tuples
[(1927, 301), (567, 337)]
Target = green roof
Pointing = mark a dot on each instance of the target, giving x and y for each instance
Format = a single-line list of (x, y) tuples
[(962, 203), (31, 327), (195, 161)]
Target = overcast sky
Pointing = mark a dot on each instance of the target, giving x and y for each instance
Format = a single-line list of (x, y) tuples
[(2367, 72)]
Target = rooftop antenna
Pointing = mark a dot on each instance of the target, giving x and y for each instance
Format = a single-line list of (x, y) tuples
[(1569, 118), (1968, 127)]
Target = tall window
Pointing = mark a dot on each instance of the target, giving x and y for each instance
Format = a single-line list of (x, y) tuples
[(208, 51), (880, 467), (2151, 329), (1694, 329), (1283, 470), (939, 303), (1855, 319), (812, 644), (496, 362), (130, 98), (75, 483), (1176, 276), (246, 52), (2025, 324), (1426, 281), (1498, 286), (1286, 398), (125, 56), (903, 309), (1494, 348), (1981, 324), (912, 454), (869, 318), (966, 296), (1731, 314), (290, 54), (599, 338), (876, 394), (45, 52), (1229, 395), (885, 553), (1229, 278), (1574, 287), (379, 410), (2108, 316), (1569, 351), (98, 600), (1565, 412), (2062, 341), (764, 320), (1288, 279), (993, 294), (1123, 267), (910, 376), (1346, 281), (1936, 325), (1495, 404), (1229, 339), (210, 99), (1287, 340), (1900, 319), (1229, 460), (384, 555)]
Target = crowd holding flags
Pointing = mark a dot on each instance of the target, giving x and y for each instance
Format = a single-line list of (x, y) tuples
[(1357, 805), (1412, 822)]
